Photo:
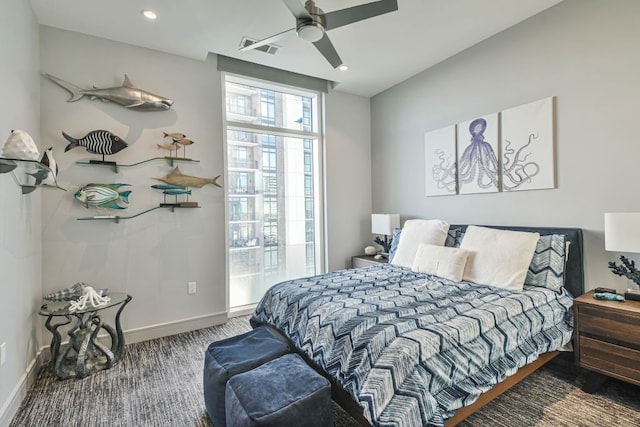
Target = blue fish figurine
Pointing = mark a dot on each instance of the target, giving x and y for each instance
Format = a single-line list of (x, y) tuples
[(175, 192), (97, 142), (103, 195)]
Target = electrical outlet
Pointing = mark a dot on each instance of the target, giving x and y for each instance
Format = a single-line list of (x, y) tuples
[(191, 288), (3, 353)]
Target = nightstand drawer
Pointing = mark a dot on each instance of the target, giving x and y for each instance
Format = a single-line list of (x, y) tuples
[(612, 325), (611, 359), (365, 261)]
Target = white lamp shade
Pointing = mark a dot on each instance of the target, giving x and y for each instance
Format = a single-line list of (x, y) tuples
[(384, 223), (622, 232)]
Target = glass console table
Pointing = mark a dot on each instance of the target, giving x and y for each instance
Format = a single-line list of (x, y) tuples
[(84, 354)]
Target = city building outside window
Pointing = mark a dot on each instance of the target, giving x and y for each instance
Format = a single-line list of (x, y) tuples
[(273, 181)]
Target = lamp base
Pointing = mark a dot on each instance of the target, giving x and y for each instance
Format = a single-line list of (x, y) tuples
[(386, 244)]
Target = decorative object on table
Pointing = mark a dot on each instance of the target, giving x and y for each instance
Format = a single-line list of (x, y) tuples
[(103, 196), (126, 95), (71, 293), (384, 224), (608, 297), (20, 145), (622, 234), (68, 294), (47, 176), (178, 178), (175, 190), (89, 295), (370, 250)]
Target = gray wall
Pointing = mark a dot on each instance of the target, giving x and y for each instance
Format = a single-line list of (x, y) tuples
[(20, 244), (583, 52), (348, 177)]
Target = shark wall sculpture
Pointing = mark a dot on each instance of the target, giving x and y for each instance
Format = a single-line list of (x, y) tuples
[(126, 95)]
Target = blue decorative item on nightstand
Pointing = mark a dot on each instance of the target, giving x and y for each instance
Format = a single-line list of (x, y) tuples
[(384, 224)]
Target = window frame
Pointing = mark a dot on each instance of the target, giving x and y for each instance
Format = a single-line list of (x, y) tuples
[(318, 179)]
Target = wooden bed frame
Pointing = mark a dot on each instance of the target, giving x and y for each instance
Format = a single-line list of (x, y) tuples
[(574, 283)]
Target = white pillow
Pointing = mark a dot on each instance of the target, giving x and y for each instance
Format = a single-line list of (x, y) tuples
[(498, 258), (416, 231), (440, 261)]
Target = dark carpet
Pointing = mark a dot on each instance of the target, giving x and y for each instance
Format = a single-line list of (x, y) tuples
[(159, 383)]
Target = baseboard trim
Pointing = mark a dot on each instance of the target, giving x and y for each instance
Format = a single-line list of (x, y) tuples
[(171, 328), (10, 408)]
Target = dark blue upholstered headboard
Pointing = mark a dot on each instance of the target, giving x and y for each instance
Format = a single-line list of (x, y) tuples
[(574, 270)]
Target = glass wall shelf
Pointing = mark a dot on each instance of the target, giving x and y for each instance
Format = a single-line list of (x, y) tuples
[(29, 174), (117, 218), (115, 166)]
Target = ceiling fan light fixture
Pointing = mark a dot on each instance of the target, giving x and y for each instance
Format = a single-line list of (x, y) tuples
[(149, 14), (311, 31)]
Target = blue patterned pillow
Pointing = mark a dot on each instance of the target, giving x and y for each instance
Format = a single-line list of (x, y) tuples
[(454, 237), (547, 265), (394, 243)]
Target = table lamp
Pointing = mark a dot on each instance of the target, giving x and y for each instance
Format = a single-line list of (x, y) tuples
[(384, 224), (622, 234)]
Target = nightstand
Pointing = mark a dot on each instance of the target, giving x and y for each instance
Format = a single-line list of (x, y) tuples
[(366, 261), (607, 339)]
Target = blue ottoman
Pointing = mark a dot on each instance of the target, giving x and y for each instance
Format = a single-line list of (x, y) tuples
[(226, 358), (283, 392)]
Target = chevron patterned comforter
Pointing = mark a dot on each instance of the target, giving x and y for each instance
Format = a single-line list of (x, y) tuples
[(411, 348)]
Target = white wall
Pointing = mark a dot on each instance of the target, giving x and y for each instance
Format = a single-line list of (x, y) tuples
[(20, 243), (583, 52)]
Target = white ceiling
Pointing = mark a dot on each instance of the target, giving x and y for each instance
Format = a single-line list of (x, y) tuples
[(380, 51)]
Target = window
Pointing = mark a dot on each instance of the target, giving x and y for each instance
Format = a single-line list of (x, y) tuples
[(273, 196)]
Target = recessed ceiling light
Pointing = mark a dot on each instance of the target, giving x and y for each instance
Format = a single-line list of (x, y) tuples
[(343, 68), (149, 14)]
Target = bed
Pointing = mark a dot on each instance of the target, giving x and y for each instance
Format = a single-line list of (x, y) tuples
[(408, 348)]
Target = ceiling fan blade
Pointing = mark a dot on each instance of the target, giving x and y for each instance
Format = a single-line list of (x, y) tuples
[(269, 40), (353, 14), (327, 50), (297, 9)]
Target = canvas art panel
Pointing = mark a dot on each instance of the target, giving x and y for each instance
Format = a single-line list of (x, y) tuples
[(528, 146), (477, 146), (440, 161)]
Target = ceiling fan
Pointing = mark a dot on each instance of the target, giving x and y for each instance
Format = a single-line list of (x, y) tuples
[(312, 24)]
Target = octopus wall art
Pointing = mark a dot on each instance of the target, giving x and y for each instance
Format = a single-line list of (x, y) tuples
[(478, 163), (527, 153)]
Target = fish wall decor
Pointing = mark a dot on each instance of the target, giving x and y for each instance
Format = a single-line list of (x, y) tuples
[(177, 139), (178, 178), (47, 176), (103, 196), (126, 95), (97, 142)]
